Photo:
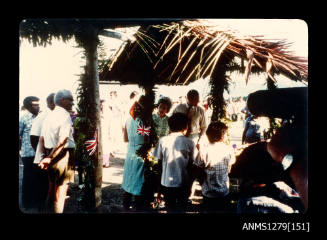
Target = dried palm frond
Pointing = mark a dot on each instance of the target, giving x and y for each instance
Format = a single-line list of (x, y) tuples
[(191, 49), (250, 56), (181, 58), (218, 40)]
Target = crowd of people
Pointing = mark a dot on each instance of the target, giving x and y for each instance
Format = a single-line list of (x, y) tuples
[(47, 152), (189, 148)]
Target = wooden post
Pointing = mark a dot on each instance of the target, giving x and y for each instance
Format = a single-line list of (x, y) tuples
[(94, 111), (218, 84)]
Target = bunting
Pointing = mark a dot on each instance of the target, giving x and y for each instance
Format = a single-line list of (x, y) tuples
[(91, 144)]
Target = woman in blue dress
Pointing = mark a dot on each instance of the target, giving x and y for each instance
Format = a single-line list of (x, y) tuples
[(137, 132)]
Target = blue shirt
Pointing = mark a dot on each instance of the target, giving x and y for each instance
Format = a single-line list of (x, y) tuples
[(253, 132), (25, 125)]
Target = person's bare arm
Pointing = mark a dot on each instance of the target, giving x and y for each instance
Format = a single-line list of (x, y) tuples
[(278, 150), (299, 177), (125, 134), (41, 146), (45, 162), (244, 132), (203, 128)]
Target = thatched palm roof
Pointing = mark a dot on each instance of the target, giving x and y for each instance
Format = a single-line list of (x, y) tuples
[(179, 53)]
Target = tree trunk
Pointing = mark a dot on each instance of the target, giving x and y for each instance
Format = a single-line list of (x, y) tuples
[(218, 84), (94, 113)]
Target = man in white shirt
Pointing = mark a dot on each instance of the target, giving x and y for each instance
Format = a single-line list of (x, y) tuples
[(196, 116), (196, 121), (57, 144), (38, 121), (41, 185)]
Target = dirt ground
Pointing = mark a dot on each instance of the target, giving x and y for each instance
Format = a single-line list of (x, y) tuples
[(112, 194)]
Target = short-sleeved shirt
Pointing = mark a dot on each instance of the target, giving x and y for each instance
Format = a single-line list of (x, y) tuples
[(25, 125), (216, 159), (198, 121), (253, 133), (56, 127), (176, 151), (161, 125), (37, 123)]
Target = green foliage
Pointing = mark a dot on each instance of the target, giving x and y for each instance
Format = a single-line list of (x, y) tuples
[(84, 128), (218, 83), (102, 56), (41, 31), (274, 125)]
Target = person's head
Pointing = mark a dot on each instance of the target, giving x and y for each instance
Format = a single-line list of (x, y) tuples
[(290, 138), (193, 97), (142, 102), (180, 99), (216, 132), (50, 101), (164, 106), (142, 107), (178, 122), (31, 103), (113, 94), (64, 99), (101, 104), (133, 94)]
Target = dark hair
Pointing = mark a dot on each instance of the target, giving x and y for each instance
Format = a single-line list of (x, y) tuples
[(133, 94), (178, 122), (27, 103), (256, 165), (216, 131), (50, 98), (167, 101), (192, 93), (143, 109)]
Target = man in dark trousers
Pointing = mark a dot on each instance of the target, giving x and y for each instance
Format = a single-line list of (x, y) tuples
[(41, 185), (27, 153)]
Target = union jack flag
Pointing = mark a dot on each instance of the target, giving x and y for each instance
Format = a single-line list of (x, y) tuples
[(91, 145), (141, 130)]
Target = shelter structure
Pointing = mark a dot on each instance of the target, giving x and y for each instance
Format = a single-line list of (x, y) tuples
[(163, 51), (86, 33), (179, 53)]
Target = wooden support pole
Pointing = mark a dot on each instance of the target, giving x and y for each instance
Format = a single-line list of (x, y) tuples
[(218, 84), (94, 112)]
